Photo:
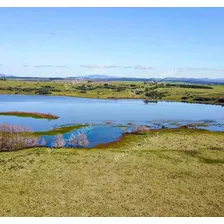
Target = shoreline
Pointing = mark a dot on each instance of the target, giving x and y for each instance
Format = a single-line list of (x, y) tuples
[(122, 98), (123, 139), (115, 144)]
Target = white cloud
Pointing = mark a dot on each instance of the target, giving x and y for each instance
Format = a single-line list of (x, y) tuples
[(116, 66), (51, 66)]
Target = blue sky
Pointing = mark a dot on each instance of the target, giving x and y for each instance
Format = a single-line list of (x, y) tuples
[(127, 42)]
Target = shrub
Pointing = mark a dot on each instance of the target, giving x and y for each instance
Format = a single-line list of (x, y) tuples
[(140, 129), (58, 142), (204, 98), (185, 98), (188, 86), (43, 91), (14, 137), (154, 94), (221, 100)]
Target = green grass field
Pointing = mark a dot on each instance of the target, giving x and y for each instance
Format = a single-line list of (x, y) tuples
[(175, 172), (117, 90)]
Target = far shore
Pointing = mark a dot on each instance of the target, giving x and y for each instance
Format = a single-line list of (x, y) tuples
[(149, 92)]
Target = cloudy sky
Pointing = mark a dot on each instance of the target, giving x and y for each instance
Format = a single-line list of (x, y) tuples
[(127, 42)]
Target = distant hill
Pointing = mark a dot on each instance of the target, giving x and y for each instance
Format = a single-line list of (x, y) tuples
[(100, 77), (7, 76), (167, 79), (96, 77), (194, 80)]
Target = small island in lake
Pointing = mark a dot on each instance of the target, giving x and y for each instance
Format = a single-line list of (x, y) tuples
[(30, 114)]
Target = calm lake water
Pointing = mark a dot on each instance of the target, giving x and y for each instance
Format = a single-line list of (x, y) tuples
[(98, 111)]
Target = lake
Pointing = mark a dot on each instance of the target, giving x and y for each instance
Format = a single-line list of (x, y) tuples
[(98, 111), (85, 137)]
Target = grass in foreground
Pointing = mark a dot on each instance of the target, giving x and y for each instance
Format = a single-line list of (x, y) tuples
[(160, 173), (30, 114)]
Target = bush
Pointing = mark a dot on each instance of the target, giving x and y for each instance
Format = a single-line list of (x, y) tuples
[(140, 129), (14, 137), (43, 91), (221, 100), (188, 86), (185, 98), (154, 94), (204, 98)]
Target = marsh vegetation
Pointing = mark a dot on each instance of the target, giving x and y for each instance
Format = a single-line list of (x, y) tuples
[(30, 114)]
